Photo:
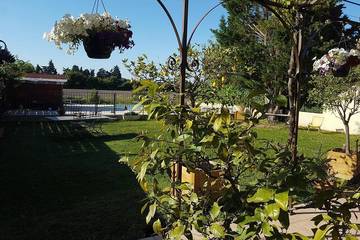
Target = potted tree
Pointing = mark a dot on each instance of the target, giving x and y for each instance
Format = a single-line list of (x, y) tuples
[(100, 34), (342, 96)]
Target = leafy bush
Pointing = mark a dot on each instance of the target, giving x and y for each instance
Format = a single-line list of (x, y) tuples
[(255, 185)]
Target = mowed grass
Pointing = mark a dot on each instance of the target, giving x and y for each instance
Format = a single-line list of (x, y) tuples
[(60, 183), (310, 143)]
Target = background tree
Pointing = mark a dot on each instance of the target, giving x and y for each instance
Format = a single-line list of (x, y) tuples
[(50, 68), (25, 67), (102, 73), (340, 95), (80, 78), (262, 49), (38, 69), (309, 27)]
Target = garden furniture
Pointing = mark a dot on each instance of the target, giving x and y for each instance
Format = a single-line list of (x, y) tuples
[(316, 123)]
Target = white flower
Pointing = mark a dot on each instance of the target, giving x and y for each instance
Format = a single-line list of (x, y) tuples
[(70, 30)]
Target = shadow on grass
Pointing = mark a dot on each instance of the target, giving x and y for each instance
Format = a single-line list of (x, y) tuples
[(65, 189)]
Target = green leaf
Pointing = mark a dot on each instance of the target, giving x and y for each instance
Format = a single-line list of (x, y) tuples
[(142, 172), (208, 138), (153, 154), (183, 137), (177, 232), (217, 124), (144, 207), (356, 196), (267, 229), (350, 237), (151, 213), (282, 199), (124, 159), (272, 211), (217, 230), (321, 234), (194, 198), (281, 100), (189, 124), (262, 195), (295, 236), (157, 226), (215, 211)]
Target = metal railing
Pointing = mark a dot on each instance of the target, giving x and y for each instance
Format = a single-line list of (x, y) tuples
[(95, 102)]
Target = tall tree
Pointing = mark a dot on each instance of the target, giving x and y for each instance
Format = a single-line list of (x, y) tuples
[(103, 73), (116, 73), (50, 68), (38, 69), (340, 95), (262, 49), (309, 26), (24, 67)]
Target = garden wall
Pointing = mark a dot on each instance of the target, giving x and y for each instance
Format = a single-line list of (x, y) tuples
[(331, 122)]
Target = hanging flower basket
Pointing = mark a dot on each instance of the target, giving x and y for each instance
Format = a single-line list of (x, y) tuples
[(338, 62), (100, 34), (101, 44)]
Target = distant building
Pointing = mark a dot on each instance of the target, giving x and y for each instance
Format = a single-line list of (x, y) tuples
[(38, 91)]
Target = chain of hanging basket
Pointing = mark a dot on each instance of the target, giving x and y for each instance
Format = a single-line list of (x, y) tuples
[(5, 55)]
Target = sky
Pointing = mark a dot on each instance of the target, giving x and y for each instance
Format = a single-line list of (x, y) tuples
[(23, 22)]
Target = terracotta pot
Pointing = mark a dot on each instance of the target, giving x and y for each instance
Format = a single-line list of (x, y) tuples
[(342, 165)]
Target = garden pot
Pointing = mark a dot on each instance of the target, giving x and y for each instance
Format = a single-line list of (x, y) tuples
[(99, 45), (342, 165), (353, 61), (342, 70), (201, 182)]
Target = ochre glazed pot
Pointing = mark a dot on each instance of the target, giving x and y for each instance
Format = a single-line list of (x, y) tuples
[(342, 165)]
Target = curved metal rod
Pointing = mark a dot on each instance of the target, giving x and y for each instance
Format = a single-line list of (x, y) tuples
[(264, 3), (4, 44), (172, 22), (202, 19)]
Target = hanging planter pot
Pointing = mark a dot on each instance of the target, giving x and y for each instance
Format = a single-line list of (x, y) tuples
[(100, 34), (342, 70), (98, 45), (338, 62), (353, 61)]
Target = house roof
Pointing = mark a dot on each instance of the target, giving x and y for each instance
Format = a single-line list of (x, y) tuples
[(42, 78)]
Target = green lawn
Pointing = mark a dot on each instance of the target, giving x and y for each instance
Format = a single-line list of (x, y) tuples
[(56, 183)]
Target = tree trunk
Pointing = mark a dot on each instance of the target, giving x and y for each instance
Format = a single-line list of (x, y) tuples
[(292, 140), (347, 138), (272, 110), (295, 73)]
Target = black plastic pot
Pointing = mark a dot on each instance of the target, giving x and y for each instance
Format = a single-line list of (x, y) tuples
[(342, 71), (101, 44)]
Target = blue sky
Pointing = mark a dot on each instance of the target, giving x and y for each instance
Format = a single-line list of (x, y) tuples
[(23, 22)]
